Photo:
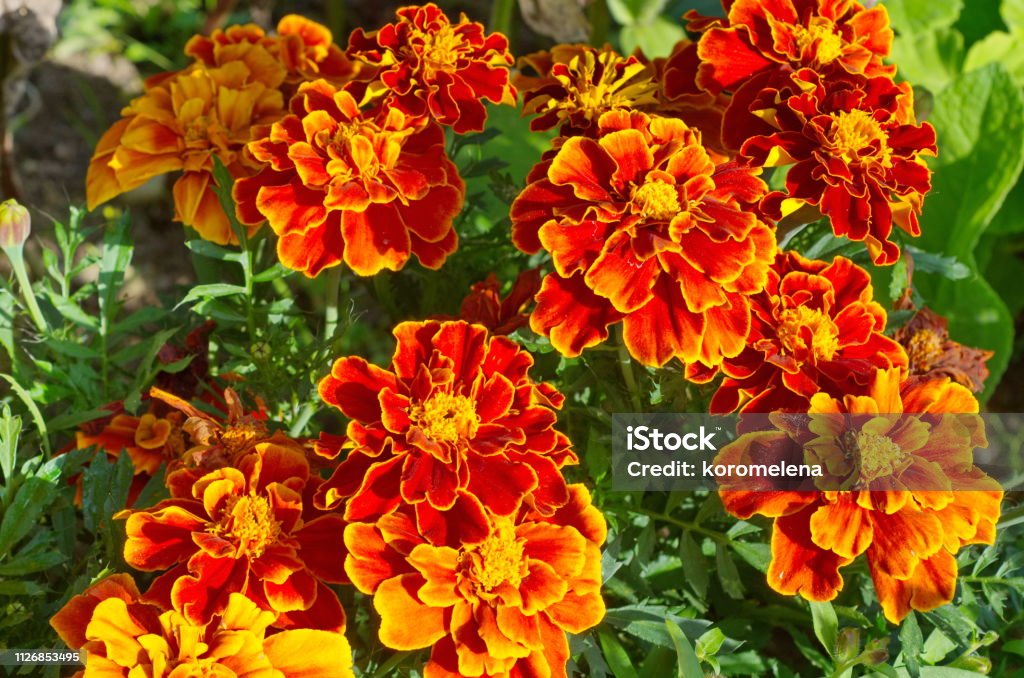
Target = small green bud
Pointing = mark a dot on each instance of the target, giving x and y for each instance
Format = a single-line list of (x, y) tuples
[(848, 644), (875, 652), (15, 224)]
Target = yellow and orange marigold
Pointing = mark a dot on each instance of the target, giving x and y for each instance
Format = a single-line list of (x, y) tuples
[(644, 229), (424, 65), (340, 184), (247, 529), (499, 607), (815, 328), (901, 489), (182, 124), (454, 426), (856, 153), (757, 38), (122, 636)]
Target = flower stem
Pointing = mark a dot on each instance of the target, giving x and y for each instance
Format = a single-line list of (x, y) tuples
[(331, 314), (626, 367), (16, 255)]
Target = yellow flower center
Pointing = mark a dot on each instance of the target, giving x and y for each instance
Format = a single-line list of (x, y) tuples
[(440, 51), (657, 200), (877, 455), (606, 82), (498, 560), (820, 34), (446, 417), (250, 521), (823, 332), (855, 131), (241, 435), (924, 350)]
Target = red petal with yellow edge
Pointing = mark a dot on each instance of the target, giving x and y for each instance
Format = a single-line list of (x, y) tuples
[(798, 565), (931, 585), (430, 217), (582, 164), (902, 540), (561, 547), (465, 523), (353, 386), (398, 606), (320, 543), (727, 60), (291, 208), (375, 239), (379, 492), (325, 614), (572, 316), (501, 483), (842, 527), (619, 276), (72, 619), (314, 250), (213, 581), (432, 255), (162, 537), (297, 593), (664, 328), (309, 653)]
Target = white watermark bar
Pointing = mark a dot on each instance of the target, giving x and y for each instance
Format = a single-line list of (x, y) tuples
[(818, 452), (38, 657)]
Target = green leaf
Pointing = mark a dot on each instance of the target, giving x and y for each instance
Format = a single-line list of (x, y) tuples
[(33, 498), (30, 404), (213, 251), (656, 37), (211, 291), (114, 259), (695, 565), (709, 643), (616, 655), (919, 16), (932, 59), (728, 575), (1012, 12), (913, 643), (10, 429), (689, 665), (998, 47), (756, 555), (826, 625), (629, 12)]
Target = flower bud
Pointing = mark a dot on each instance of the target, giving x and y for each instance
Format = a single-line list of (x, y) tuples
[(875, 652), (848, 644), (15, 224)]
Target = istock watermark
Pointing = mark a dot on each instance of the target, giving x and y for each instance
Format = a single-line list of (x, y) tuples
[(818, 452)]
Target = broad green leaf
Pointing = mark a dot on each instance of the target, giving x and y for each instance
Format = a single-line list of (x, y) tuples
[(932, 59), (656, 37), (999, 47), (689, 665), (826, 625), (918, 16), (1012, 12), (629, 12)]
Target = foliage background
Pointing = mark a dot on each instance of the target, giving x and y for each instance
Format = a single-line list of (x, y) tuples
[(685, 584)]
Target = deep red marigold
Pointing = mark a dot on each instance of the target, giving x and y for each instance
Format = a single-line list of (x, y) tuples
[(815, 328), (573, 85), (759, 36), (248, 530), (424, 65), (498, 608), (341, 185), (122, 636), (485, 306), (455, 424), (903, 490), (933, 353), (644, 229), (857, 154)]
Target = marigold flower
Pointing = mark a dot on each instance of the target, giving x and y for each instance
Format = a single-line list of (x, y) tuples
[(247, 529), (679, 96), (182, 124), (901, 489), (343, 186), (427, 66), (759, 36), (932, 353), (485, 306), (815, 328), (497, 608), (454, 425), (304, 48), (576, 84), (857, 151), (123, 636), (644, 229)]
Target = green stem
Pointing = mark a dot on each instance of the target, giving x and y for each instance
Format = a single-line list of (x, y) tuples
[(626, 367), (686, 525), (16, 255), (331, 314), (305, 414), (502, 12)]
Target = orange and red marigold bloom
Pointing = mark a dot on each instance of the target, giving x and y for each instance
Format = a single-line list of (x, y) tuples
[(900, 488), (496, 607), (247, 529), (454, 426), (340, 184), (815, 328), (124, 636), (644, 229), (857, 154), (931, 352), (425, 65), (759, 37)]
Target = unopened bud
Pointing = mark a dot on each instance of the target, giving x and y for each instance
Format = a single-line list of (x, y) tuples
[(15, 224), (974, 664), (875, 652), (848, 644)]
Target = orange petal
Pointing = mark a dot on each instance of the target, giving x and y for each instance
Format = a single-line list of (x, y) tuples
[(407, 623)]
